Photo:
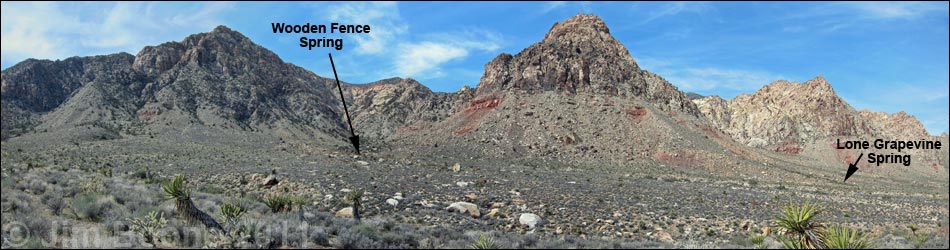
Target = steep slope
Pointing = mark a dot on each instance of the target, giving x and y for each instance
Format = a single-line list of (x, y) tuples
[(580, 55), (785, 115), (380, 108), (808, 119), (218, 80), (35, 87), (715, 109), (222, 79), (898, 125), (576, 96)]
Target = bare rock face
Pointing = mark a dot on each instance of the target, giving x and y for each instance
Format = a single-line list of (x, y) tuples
[(214, 80), (786, 114), (715, 109), (579, 55), (34, 87), (380, 108), (898, 125)]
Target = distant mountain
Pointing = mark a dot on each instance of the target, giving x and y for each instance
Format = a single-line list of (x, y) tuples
[(580, 56), (381, 108), (898, 125), (576, 95), (786, 115), (218, 79), (35, 87), (693, 96)]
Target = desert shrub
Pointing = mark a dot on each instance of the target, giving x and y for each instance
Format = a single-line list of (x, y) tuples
[(484, 242), (803, 230), (38, 227), (54, 201), (279, 203), (355, 197), (212, 189), (33, 185), (838, 237), (232, 211), (353, 239), (91, 206), (319, 236), (527, 241), (758, 242), (183, 235), (149, 225), (919, 240), (176, 190), (96, 185)]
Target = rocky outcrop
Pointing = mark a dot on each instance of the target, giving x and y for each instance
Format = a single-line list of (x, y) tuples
[(219, 79), (786, 113), (382, 107), (715, 109), (35, 87), (580, 55), (898, 125)]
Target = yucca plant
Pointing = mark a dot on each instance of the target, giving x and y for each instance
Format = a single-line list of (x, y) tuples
[(803, 231), (484, 242), (355, 196), (232, 211), (839, 237), (176, 190), (279, 203), (758, 241)]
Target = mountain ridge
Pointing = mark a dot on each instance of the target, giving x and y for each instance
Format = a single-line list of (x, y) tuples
[(559, 97)]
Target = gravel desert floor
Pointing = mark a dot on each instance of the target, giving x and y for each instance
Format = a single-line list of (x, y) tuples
[(430, 199)]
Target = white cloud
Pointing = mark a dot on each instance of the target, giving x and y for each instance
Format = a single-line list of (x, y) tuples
[(426, 56), (709, 79), (26, 32), (676, 8), (889, 10), (552, 5), (699, 79), (383, 17), (59, 30), (424, 59)]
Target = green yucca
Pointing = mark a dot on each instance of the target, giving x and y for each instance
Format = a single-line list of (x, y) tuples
[(803, 231), (484, 242), (176, 190), (355, 196), (839, 237), (232, 211), (279, 203)]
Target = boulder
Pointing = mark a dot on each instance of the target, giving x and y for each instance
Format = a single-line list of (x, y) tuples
[(530, 220), (345, 212), (465, 207), (270, 181)]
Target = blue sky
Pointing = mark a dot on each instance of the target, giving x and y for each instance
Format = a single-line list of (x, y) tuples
[(883, 56)]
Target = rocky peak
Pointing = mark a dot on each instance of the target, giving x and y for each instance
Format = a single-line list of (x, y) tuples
[(580, 25), (42, 85), (223, 51), (790, 114), (579, 56)]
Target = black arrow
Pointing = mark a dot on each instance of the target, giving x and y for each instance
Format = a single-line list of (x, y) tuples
[(853, 167), (355, 139)]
